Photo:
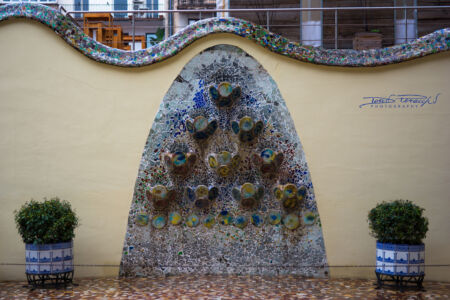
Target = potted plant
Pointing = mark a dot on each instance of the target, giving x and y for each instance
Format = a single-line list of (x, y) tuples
[(399, 227), (47, 229)]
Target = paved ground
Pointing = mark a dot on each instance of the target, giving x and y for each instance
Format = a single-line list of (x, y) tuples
[(222, 287)]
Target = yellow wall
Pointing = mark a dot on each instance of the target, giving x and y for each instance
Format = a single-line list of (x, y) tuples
[(75, 128)]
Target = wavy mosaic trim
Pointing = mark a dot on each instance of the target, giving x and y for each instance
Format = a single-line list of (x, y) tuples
[(438, 41)]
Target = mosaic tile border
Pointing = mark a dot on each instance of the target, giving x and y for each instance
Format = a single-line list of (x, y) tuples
[(438, 41)]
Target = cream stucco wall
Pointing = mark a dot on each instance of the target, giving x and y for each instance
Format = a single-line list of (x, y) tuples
[(75, 128)]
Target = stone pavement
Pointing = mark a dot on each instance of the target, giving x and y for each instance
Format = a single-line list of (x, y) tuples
[(222, 287)]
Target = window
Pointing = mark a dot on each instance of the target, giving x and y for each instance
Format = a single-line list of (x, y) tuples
[(152, 4), (81, 5), (120, 5), (311, 23), (405, 22), (150, 39)]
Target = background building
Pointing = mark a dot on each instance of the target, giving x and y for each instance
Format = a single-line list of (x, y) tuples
[(385, 27), (360, 28)]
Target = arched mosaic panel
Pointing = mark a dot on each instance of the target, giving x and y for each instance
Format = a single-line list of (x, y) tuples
[(223, 185)]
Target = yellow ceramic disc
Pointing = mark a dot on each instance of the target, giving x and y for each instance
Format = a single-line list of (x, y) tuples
[(289, 202), (248, 190), (290, 191), (268, 156), (212, 161), (235, 161), (142, 219), (175, 218), (278, 193), (223, 171), (159, 221), (274, 218), (224, 158), (291, 221), (200, 123), (246, 123), (225, 89), (192, 221), (179, 159), (209, 221), (159, 192), (201, 191)]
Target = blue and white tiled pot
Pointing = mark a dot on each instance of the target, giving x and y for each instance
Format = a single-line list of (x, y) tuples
[(398, 259), (49, 258)]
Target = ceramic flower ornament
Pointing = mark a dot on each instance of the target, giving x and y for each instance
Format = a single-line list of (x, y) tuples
[(209, 221), (180, 162), (175, 218), (240, 222), (257, 220), (161, 196), (291, 221), (159, 221), (268, 161), (309, 218), (224, 162), (225, 218), (200, 128), (248, 194), (225, 95), (202, 195), (289, 195), (142, 219), (192, 220), (247, 129), (274, 218)]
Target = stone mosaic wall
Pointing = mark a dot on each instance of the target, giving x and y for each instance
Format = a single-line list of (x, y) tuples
[(435, 42), (223, 185)]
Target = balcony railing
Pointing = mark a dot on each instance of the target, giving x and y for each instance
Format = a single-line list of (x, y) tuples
[(332, 28)]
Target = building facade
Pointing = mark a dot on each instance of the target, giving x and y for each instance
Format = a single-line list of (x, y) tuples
[(329, 28)]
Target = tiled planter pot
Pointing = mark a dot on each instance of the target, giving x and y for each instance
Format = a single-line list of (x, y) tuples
[(400, 260), (49, 258)]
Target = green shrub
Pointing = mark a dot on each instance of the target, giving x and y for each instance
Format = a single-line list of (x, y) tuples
[(398, 222), (51, 221)]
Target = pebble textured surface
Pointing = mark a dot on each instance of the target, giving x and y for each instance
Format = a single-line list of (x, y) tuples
[(223, 287), (438, 41), (241, 240)]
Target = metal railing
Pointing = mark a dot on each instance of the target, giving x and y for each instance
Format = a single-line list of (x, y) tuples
[(399, 12), (196, 3)]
